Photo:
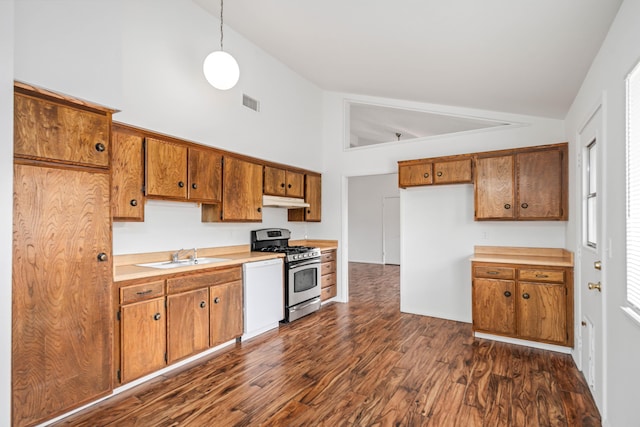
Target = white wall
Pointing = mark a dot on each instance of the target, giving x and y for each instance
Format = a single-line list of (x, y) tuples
[(366, 194), (6, 200), (145, 59), (605, 81), (425, 289)]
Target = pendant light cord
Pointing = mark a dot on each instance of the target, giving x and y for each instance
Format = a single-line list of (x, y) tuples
[(221, 21)]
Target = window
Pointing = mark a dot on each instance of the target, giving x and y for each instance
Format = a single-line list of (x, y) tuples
[(591, 231), (633, 188)]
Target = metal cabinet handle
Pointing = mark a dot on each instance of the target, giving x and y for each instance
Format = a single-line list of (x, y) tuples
[(507, 206), (203, 304), (597, 265), (194, 186), (541, 276), (524, 205), (507, 294), (439, 174), (426, 175), (595, 286), (133, 202), (216, 300), (493, 272), (282, 185), (102, 257), (289, 186), (525, 296), (100, 147), (259, 209), (148, 291), (180, 184), (157, 316)]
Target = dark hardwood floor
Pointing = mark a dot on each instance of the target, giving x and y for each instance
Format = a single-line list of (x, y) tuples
[(363, 364)]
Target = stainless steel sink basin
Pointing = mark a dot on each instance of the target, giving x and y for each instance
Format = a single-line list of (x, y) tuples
[(182, 262)]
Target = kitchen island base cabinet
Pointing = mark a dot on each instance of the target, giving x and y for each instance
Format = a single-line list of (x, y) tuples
[(523, 301)]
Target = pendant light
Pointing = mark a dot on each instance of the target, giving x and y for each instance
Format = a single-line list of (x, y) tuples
[(221, 69)]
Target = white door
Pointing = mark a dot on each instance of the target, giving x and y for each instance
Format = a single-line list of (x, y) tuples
[(391, 230), (589, 286)]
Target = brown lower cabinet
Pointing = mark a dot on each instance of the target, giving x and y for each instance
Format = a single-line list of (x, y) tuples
[(328, 288), (524, 301), (202, 310)]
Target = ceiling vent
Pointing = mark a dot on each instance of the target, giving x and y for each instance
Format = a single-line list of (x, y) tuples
[(249, 102)]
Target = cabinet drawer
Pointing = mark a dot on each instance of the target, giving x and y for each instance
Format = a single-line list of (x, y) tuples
[(328, 280), (328, 256), (487, 271), (452, 172), (143, 291), (186, 283), (415, 174), (327, 268), (535, 275), (327, 293)]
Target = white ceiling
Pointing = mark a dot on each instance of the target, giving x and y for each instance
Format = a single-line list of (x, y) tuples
[(524, 56)]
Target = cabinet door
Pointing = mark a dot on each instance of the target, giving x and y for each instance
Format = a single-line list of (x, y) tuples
[(494, 188), (493, 306), (46, 130), (187, 324), (205, 175), (242, 193), (143, 338), (313, 196), (457, 171), (61, 309), (295, 184), (540, 185), (166, 169), (275, 181), (226, 312), (127, 177), (415, 174), (542, 313)]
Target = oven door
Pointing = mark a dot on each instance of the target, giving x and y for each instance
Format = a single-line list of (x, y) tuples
[(303, 282)]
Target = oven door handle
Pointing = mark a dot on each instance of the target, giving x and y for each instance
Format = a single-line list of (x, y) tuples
[(304, 264)]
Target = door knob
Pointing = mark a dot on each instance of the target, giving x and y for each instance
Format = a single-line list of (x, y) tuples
[(595, 286), (597, 265)]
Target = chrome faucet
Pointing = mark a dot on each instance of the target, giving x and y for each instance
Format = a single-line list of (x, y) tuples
[(175, 257)]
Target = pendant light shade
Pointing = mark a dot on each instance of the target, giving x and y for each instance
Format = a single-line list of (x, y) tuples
[(220, 68)]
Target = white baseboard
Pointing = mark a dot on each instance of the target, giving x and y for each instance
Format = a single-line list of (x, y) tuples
[(542, 346)]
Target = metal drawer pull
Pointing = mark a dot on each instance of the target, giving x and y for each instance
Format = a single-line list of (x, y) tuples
[(157, 316), (507, 206), (507, 294), (426, 175), (525, 295), (541, 276), (148, 291), (493, 272)]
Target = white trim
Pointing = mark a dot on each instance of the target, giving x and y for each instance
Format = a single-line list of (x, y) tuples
[(516, 341), (631, 314), (343, 249)]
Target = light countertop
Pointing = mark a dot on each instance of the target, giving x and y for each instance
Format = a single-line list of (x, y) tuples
[(553, 257)]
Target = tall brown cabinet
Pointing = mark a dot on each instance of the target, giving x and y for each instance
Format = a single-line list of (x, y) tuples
[(62, 272)]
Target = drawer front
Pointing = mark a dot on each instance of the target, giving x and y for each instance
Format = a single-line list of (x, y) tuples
[(417, 174), (328, 280), (187, 283), (143, 291), (541, 275), (489, 272), (327, 268), (327, 293), (328, 256)]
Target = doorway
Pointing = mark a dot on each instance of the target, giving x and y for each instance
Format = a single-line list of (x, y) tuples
[(391, 230)]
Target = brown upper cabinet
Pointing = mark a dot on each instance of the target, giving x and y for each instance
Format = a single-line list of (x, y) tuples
[(166, 169), (241, 193), (205, 175), (176, 171), (527, 184), (281, 182), (127, 176), (313, 196), (58, 131), (443, 170)]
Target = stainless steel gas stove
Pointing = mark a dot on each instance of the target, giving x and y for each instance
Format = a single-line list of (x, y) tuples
[(302, 270)]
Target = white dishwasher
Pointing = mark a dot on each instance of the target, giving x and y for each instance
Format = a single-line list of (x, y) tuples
[(263, 296)]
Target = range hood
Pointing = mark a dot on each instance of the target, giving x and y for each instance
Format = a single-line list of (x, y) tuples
[(284, 202)]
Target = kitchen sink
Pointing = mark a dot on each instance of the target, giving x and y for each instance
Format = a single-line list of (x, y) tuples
[(182, 262)]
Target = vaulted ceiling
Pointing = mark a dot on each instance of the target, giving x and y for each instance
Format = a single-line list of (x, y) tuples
[(526, 56)]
